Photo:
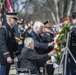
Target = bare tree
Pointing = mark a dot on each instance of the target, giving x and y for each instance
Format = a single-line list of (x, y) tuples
[(54, 10)]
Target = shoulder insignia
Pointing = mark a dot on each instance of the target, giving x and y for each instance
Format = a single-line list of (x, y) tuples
[(6, 53), (5, 29), (2, 26)]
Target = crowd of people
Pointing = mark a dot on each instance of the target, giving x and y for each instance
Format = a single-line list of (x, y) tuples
[(33, 44)]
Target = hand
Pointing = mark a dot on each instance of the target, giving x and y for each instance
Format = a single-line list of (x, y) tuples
[(9, 60), (49, 62), (51, 44), (51, 53)]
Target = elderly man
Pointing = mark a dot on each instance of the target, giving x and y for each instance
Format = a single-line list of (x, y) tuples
[(39, 45), (36, 35), (7, 43), (30, 57)]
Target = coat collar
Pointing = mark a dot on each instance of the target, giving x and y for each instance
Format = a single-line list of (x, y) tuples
[(9, 28)]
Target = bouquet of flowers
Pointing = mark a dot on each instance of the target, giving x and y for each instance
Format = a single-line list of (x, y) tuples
[(60, 41)]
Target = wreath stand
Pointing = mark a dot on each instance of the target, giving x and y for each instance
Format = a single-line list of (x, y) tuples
[(64, 58)]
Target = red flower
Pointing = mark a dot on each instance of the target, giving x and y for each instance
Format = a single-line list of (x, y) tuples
[(62, 23), (55, 49), (57, 40), (57, 33)]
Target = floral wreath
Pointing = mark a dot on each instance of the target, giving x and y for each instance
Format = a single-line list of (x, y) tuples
[(60, 40)]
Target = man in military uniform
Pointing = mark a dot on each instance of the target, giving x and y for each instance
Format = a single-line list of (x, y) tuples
[(7, 44), (19, 34), (73, 44), (48, 37), (71, 65)]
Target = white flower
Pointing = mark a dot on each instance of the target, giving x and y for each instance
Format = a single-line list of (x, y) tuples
[(55, 46), (60, 30)]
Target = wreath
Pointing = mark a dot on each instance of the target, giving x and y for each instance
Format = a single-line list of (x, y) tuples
[(60, 41)]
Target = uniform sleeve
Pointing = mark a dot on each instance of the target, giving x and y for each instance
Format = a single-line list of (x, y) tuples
[(3, 44)]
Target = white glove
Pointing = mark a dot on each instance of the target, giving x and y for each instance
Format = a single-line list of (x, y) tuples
[(19, 43), (15, 59)]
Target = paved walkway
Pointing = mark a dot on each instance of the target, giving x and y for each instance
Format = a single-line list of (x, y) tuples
[(13, 71)]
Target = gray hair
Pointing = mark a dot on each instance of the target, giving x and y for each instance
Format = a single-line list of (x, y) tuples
[(27, 41), (37, 24)]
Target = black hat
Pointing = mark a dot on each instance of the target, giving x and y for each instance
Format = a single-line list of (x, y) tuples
[(21, 21), (47, 24), (74, 15), (12, 15)]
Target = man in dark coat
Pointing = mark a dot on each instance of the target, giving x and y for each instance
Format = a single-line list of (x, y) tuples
[(7, 44), (30, 57), (39, 45), (47, 35)]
